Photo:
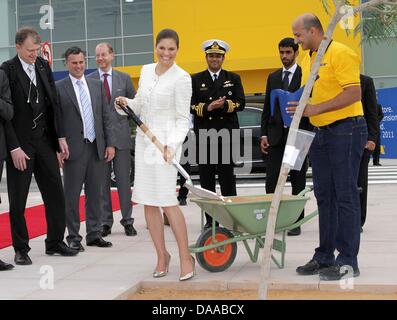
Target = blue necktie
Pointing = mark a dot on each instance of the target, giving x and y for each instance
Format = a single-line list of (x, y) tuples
[(88, 116)]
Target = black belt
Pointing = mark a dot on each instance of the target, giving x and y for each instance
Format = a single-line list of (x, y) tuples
[(338, 122), (87, 141)]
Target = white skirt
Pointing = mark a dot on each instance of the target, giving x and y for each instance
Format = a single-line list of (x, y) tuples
[(155, 180)]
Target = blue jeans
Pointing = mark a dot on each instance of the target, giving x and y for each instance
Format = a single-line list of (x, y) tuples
[(335, 156)]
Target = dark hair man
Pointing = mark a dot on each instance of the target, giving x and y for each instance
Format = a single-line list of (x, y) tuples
[(274, 132)]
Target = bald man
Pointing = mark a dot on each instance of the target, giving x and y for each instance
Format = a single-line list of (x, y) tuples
[(336, 113)]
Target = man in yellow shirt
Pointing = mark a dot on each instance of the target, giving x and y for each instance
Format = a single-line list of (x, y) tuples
[(336, 112)]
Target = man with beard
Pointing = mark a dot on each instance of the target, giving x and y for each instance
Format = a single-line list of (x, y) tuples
[(274, 132), (217, 97)]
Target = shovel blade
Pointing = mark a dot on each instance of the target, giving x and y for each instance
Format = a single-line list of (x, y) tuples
[(203, 193)]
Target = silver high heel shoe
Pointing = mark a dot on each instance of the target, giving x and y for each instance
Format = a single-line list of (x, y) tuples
[(189, 275), (159, 274)]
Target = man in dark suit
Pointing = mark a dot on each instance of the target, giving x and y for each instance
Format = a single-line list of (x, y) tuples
[(370, 106), (88, 128), (33, 136), (6, 114), (116, 84), (274, 132), (217, 97)]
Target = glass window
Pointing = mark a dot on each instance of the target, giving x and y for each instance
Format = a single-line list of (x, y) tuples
[(69, 20), (103, 19), (249, 118), (59, 49), (138, 44), (137, 17), (7, 53), (58, 65), (29, 15), (138, 59), (7, 23)]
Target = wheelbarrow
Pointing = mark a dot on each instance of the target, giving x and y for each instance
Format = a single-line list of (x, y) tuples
[(244, 218)]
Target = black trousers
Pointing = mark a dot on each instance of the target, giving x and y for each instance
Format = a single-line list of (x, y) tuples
[(273, 166), (43, 163), (218, 161), (376, 152), (363, 184)]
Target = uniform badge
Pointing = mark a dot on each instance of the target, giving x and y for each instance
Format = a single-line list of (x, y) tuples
[(230, 93), (203, 84)]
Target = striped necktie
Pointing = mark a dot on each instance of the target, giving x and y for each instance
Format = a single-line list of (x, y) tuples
[(88, 116)]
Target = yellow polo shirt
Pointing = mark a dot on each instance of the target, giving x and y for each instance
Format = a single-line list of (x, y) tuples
[(339, 69)]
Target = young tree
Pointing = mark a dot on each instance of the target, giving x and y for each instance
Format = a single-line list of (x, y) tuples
[(380, 22)]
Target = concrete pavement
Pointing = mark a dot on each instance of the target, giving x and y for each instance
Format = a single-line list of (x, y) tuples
[(112, 273)]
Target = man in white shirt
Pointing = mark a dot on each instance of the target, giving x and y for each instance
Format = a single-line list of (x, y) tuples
[(33, 137), (116, 84), (274, 132), (88, 129)]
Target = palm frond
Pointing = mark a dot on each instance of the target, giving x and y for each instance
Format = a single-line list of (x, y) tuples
[(378, 25), (326, 6)]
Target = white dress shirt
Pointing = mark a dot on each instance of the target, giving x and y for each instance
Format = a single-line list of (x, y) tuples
[(77, 92), (212, 74), (292, 71), (25, 67)]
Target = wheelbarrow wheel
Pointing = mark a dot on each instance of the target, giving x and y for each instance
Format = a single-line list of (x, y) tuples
[(216, 259)]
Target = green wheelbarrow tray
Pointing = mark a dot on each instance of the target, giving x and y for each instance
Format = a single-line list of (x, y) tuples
[(244, 218)]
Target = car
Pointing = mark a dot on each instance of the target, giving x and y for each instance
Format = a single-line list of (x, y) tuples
[(250, 126)]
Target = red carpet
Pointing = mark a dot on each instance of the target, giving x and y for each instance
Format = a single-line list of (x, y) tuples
[(35, 220)]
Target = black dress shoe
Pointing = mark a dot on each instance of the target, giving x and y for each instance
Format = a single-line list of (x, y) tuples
[(5, 266), (75, 245), (295, 232), (130, 230), (63, 250), (311, 268), (182, 201), (337, 272), (99, 242), (377, 164), (22, 259), (106, 230)]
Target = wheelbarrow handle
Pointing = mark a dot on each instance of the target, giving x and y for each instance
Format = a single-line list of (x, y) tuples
[(304, 191)]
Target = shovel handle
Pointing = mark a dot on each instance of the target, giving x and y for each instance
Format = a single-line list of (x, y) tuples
[(142, 126)]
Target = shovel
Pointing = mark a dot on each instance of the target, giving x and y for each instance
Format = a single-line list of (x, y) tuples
[(198, 191)]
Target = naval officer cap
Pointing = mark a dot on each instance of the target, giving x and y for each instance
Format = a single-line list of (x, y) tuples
[(215, 46)]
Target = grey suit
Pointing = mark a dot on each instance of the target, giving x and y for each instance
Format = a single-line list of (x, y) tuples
[(121, 86), (6, 114), (86, 160)]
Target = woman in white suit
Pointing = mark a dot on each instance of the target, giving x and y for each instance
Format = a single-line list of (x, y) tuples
[(163, 104)]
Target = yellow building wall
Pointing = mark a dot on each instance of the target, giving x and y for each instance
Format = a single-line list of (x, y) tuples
[(253, 28)]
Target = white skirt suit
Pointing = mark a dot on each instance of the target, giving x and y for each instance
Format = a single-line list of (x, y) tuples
[(163, 104)]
